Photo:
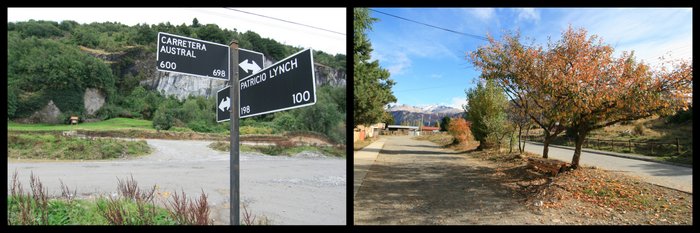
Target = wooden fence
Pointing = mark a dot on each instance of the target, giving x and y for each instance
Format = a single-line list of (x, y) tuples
[(645, 147)]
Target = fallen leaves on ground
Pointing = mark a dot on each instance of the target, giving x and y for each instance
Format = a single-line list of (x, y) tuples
[(595, 196)]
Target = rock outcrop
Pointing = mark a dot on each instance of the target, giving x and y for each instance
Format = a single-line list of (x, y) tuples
[(181, 85), (93, 100), (48, 114)]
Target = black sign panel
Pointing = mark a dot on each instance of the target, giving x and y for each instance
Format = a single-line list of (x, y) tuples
[(287, 84), (250, 62), (223, 104), (191, 56)]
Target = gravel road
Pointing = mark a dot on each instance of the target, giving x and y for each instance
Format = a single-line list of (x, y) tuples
[(288, 190)]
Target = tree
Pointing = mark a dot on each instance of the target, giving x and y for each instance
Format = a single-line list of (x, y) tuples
[(525, 75), (486, 111), (604, 90), (460, 130), (444, 123), (372, 89), (195, 23), (578, 84), (521, 121)]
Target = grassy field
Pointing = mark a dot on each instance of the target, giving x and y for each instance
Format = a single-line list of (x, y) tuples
[(48, 146), (111, 124)]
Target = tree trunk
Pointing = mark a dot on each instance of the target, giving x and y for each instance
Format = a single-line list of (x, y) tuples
[(547, 140), (580, 137), (511, 142), (527, 133), (520, 139)]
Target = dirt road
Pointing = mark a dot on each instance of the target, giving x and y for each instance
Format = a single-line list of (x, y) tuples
[(287, 190), (418, 183)]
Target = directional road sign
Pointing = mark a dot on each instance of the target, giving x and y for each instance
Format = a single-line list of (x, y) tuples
[(287, 84), (191, 56), (223, 105), (250, 62)]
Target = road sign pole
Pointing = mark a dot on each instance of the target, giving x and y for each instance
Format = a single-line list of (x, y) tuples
[(234, 206)]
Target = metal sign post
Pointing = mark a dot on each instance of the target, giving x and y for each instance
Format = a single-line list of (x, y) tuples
[(234, 205)]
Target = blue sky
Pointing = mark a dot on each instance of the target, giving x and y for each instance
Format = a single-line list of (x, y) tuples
[(430, 65)]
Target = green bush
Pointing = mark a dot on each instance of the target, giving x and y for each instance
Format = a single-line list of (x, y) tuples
[(286, 121), (163, 119), (201, 125), (681, 116)]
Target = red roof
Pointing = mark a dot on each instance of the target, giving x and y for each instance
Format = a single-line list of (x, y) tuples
[(429, 128)]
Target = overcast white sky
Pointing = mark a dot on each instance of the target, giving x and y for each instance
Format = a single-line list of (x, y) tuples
[(332, 19)]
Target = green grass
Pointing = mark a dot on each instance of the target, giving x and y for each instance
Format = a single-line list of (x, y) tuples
[(83, 212), (48, 146), (111, 124)]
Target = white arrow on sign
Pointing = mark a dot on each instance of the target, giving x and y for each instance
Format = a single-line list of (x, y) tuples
[(225, 103), (250, 66)]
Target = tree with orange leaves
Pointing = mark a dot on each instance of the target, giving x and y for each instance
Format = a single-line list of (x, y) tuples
[(460, 130), (578, 83), (604, 90), (525, 74)]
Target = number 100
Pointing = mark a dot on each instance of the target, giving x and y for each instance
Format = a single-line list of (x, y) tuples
[(301, 97)]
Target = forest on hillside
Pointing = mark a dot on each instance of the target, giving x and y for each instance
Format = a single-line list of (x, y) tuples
[(59, 60)]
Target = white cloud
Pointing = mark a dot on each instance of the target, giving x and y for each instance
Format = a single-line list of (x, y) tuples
[(458, 102), (528, 14), (484, 14), (398, 62), (651, 33), (436, 76), (291, 34)]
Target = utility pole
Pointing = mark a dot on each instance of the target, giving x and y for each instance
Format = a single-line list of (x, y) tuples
[(234, 205)]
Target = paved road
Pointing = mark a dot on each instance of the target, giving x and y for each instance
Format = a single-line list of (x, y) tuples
[(418, 183), (676, 177), (288, 190)]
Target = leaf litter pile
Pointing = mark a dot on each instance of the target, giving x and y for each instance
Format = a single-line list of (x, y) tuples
[(588, 195)]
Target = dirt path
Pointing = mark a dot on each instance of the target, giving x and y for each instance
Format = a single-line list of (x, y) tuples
[(417, 182)]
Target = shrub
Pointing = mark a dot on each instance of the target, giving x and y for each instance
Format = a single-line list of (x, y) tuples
[(459, 129), (639, 129), (286, 121), (681, 116), (163, 119)]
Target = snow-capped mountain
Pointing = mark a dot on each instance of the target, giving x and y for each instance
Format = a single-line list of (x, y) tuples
[(424, 109), (430, 114)]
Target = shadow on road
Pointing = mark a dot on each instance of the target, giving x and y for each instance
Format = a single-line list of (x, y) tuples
[(659, 169), (432, 192)]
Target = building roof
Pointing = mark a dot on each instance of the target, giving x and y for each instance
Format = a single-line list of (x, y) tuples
[(402, 127), (429, 128)]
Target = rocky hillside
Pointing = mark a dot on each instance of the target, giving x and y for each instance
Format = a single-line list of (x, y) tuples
[(139, 61)]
